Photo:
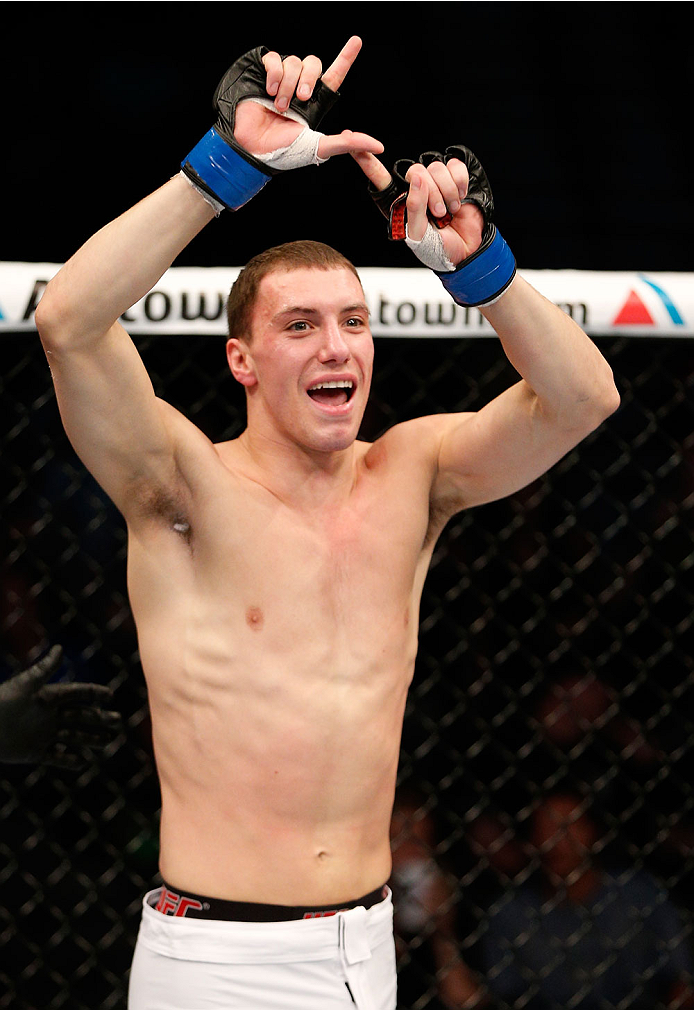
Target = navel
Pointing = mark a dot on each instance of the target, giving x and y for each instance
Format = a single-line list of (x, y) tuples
[(254, 618)]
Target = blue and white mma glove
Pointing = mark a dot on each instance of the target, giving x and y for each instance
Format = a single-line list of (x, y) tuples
[(481, 278), (227, 174)]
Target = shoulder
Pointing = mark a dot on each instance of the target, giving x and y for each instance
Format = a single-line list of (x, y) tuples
[(411, 452), (402, 459), (418, 438)]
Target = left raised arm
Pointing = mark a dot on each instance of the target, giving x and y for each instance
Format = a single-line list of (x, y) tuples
[(566, 387), (566, 390)]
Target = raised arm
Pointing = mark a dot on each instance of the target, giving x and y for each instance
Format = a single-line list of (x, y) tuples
[(115, 423), (127, 437), (566, 387)]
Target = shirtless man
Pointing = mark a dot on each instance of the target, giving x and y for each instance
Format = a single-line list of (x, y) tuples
[(275, 579)]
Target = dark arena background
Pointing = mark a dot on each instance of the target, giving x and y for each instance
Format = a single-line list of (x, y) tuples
[(556, 625)]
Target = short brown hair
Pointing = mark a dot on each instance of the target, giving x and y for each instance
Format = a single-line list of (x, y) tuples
[(289, 256)]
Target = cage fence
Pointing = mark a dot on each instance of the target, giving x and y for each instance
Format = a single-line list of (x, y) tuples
[(543, 834)]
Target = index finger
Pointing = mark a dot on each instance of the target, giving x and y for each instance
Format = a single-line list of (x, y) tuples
[(272, 62), (377, 174), (77, 693), (338, 70), (43, 668)]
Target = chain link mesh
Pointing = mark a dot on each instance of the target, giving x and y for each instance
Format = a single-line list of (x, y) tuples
[(555, 667)]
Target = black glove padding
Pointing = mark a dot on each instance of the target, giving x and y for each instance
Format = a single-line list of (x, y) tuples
[(53, 724), (247, 78), (391, 200), (218, 164), (481, 278)]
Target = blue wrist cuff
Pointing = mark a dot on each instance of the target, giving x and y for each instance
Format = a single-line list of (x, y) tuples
[(225, 173), (484, 276)]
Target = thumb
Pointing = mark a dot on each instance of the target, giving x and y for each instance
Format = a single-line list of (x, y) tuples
[(41, 671), (348, 143)]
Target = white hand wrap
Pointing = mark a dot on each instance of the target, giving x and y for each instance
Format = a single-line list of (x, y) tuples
[(429, 250), (216, 206), (302, 151)]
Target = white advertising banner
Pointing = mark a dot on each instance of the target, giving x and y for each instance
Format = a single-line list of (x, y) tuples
[(404, 302)]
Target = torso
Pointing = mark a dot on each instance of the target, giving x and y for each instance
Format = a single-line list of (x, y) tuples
[(278, 644)]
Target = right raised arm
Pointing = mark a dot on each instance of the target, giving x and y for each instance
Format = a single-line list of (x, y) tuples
[(267, 107), (107, 403)]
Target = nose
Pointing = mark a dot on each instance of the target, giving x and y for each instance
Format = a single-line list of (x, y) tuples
[(334, 346)]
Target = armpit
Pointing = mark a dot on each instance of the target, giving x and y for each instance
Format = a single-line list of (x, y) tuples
[(441, 511), (166, 508)]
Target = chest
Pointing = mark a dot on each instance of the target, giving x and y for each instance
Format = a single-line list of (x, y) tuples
[(369, 542)]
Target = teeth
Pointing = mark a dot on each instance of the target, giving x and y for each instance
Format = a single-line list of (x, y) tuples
[(337, 384)]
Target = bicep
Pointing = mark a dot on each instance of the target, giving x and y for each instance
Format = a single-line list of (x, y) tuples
[(111, 414), (499, 449)]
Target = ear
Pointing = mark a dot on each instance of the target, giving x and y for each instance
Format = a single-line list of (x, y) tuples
[(241, 362)]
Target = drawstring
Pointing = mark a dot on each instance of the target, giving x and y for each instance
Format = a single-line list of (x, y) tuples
[(353, 943)]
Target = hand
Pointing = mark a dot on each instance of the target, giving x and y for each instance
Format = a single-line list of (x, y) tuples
[(261, 130), (53, 724), (434, 190), (263, 127)]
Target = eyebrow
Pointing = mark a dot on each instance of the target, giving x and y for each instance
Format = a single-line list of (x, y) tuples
[(304, 310)]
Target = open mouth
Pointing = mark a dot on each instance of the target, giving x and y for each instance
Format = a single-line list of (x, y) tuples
[(332, 394)]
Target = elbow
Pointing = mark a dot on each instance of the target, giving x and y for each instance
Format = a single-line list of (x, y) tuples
[(52, 318), (601, 402), (46, 316), (607, 397), (612, 401), (583, 410)]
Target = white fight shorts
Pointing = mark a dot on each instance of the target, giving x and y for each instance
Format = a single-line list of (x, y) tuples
[(337, 962)]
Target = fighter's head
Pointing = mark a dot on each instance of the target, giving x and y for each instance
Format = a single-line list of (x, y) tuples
[(301, 255), (300, 343)]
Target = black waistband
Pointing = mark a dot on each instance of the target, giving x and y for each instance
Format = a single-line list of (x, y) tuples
[(171, 901)]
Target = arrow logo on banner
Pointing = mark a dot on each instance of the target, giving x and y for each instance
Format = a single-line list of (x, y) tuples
[(634, 312), (666, 300)]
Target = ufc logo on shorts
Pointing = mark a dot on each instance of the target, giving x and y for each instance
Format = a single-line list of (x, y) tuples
[(171, 903), (318, 915)]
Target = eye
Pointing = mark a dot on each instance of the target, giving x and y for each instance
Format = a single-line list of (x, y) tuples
[(355, 321), (298, 326)]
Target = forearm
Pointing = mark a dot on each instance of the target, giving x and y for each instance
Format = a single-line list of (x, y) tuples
[(570, 379), (121, 263)]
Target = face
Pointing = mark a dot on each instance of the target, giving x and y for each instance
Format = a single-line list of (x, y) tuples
[(564, 836), (307, 367)]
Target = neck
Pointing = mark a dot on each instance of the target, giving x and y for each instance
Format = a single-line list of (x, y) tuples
[(299, 475)]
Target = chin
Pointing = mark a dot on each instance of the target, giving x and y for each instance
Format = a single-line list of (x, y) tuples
[(335, 436), (334, 443), (335, 440)]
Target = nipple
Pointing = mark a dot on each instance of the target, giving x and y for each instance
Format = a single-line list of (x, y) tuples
[(254, 618)]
